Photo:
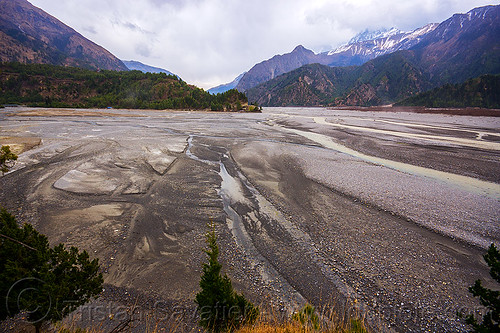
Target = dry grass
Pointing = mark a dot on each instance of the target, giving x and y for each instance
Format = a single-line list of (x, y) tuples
[(307, 320), (295, 327)]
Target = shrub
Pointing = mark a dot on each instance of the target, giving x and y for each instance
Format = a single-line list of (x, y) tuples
[(7, 159)]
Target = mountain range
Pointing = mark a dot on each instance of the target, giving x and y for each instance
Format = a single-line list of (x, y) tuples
[(462, 47), (360, 49), (30, 35), (369, 45), (373, 68)]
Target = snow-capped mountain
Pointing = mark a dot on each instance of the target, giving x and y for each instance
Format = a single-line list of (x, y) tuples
[(463, 22), (462, 47), (370, 45), (375, 34), (362, 48)]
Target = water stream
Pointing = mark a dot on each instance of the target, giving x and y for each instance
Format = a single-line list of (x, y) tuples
[(438, 138), (469, 184), (231, 192), (478, 134), (300, 237), (478, 142)]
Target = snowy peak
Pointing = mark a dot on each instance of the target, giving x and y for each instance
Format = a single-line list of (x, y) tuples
[(362, 48), (420, 32), (372, 44), (462, 22), (376, 34), (480, 12), (462, 47)]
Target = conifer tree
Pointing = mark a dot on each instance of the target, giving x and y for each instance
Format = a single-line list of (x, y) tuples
[(46, 283), (220, 307), (488, 298)]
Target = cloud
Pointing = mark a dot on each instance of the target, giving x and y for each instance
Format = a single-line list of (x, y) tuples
[(90, 29), (143, 50), (208, 42)]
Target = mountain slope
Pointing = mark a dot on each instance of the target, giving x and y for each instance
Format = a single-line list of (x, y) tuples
[(386, 79), (139, 66), (483, 92), (228, 86), (380, 81), (464, 46), (309, 85), (30, 35), (276, 66), (362, 48)]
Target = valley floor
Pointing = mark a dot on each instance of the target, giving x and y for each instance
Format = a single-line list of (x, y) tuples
[(388, 211)]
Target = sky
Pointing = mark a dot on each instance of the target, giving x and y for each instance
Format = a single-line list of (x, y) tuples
[(210, 42)]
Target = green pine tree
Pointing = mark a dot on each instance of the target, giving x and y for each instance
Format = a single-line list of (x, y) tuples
[(46, 283), (488, 298), (220, 307)]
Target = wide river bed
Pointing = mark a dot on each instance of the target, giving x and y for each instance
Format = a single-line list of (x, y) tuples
[(389, 212)]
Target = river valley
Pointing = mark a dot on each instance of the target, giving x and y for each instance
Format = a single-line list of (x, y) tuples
[(388, 212)]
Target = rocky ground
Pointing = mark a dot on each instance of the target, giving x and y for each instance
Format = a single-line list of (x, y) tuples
[(387, 211)]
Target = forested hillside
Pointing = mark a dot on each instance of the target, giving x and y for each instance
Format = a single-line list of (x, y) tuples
[(483, 92), (381, 81), (57, 86)]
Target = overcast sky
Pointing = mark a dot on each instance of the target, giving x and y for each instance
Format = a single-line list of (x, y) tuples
[(209, 42)]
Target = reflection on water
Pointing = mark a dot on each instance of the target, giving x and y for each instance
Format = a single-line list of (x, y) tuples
[(231, 192)]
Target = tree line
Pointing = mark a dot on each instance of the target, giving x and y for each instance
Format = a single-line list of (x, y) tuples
[(483, 92), (58, 86)]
